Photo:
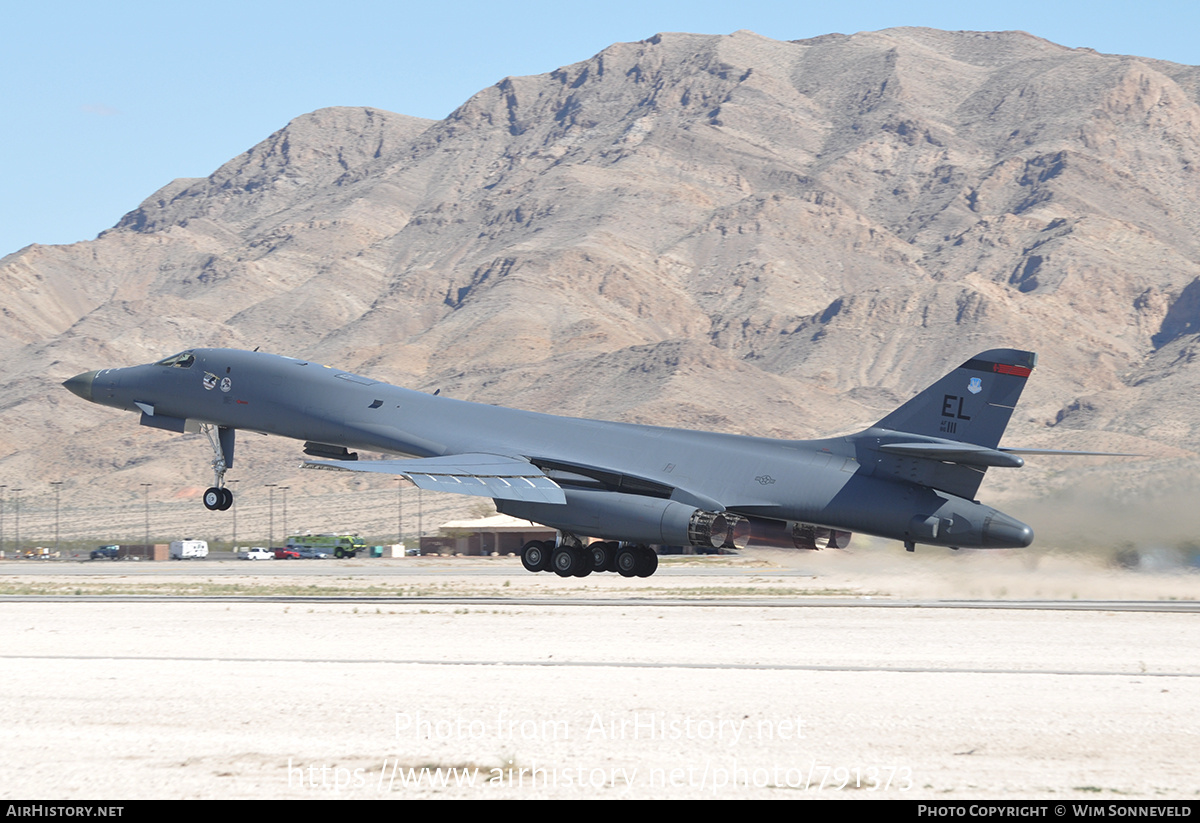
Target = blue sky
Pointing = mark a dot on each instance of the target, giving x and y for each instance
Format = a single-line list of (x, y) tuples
[(107, 102)]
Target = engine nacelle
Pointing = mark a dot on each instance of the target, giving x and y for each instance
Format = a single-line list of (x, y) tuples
[(778, 534), (634, 519), (819, 537), (718, 530)]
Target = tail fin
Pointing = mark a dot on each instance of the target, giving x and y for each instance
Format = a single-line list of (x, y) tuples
[(946, 437), (972, 404)]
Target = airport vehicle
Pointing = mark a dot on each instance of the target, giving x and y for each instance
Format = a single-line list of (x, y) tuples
[(255, 553), (911, 477), (282, 553), (312, 554), (339, 545), (105, 552), (189, 549)]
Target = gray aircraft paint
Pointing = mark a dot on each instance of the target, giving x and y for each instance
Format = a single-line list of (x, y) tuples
[(911, 477)]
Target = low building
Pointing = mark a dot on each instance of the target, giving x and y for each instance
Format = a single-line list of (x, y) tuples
[(498, 534)]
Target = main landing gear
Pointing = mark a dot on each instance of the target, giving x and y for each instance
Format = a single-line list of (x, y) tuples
[(217, 497), (570, 558)]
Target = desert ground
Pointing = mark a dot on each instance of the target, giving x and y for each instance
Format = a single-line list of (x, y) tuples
[(843, 675)]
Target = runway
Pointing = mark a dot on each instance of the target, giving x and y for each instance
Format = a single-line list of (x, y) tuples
[(1191, 607), (620, 665), (546, 695)]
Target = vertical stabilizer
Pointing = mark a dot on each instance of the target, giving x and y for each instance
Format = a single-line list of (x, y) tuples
[(972, 404)]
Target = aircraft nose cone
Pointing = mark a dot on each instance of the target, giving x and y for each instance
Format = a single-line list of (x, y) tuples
[(81, 385)]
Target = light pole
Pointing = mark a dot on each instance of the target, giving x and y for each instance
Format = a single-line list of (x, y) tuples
[(271, 535), (17, 505), (57, 484), (284, 489), (3, 489), (146, 495), (400, 514)]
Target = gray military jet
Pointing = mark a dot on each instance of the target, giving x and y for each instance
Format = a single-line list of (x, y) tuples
[(911, 477)]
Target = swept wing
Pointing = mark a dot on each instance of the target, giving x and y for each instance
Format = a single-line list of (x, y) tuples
[(482, 475)]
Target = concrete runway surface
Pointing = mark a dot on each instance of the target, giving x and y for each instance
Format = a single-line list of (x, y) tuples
[(516, 685)]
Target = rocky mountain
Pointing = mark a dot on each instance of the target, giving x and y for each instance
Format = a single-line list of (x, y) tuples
[(727, 232)]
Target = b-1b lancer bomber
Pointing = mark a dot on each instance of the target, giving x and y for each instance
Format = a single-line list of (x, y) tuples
[(911, 477)]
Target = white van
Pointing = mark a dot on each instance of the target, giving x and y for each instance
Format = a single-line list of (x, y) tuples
[(188, 549)]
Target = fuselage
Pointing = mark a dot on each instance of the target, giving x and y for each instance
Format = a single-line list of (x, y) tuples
[(832, 483)]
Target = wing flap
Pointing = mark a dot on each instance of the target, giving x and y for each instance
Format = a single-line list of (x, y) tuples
[(481, 475)]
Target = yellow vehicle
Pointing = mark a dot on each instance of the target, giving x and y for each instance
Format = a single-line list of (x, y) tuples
[(339, 545)]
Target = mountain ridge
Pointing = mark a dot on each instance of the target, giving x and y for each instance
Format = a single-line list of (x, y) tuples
[(766, 237)]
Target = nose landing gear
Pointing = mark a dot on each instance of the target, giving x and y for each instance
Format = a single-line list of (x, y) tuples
[(217, 497)]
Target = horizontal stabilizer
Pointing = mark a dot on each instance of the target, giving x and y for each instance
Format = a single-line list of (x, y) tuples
[(482, 475), (962, 453), (1064, 453)]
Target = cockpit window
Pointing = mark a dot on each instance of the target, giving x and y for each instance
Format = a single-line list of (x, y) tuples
[(183, 360)]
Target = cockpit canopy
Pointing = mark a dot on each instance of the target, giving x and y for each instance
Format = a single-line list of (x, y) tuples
[(183, 360)]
